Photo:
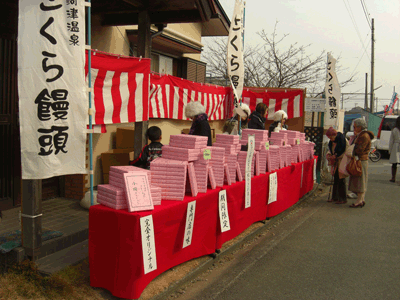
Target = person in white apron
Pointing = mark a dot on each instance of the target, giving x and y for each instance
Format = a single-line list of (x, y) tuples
[(394, 149)]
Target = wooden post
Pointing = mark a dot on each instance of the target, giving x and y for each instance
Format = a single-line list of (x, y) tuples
[(31, 216), (144, 50)]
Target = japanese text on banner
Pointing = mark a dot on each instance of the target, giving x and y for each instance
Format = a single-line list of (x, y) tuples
[(51, 86), (332, 94)]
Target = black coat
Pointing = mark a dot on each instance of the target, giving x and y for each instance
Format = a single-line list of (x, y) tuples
[(340, 141), (273, 126), (256, 121), (202, 128)]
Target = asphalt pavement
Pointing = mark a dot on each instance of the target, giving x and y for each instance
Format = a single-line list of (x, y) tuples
[(321, 251)]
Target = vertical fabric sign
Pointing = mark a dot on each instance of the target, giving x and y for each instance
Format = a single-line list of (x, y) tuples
[(248, 170), (223, 212), (148, 244), (273, 188), (235, 50), (332, 94), (187, 239), (53, 104)]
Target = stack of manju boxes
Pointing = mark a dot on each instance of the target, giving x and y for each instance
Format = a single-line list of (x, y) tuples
[(294, 139), (232, 147), (180, 159), (114, 194)]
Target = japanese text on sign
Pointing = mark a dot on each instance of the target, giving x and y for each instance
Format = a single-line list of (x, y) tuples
[(187, 238), (138, 191), (223, 212), (273, 188), (148, 244), (248, 170), (332, 93)]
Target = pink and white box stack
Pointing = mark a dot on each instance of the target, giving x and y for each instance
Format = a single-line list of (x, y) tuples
[(242, 156), (111, 196), (201, 171), (179, 153), (217, 162), (232, 148), (170, 176), (260, 137), (192, 180), (188, 141), (273, 158), (292, 137), (262, 158), (279, 138)]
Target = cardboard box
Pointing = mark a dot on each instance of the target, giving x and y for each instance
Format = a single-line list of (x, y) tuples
[(115, 157), (125, 137)]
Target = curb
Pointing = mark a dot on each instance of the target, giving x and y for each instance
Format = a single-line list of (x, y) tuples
[(216, 256)]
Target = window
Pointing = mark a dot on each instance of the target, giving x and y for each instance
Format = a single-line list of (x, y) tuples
[(388, 124)]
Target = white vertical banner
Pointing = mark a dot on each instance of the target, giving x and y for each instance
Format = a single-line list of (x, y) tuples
[(223, 212), (235, 50), (273, 187), (332, 94), (187, 238), (53, 103), (248, 170), (315, 170), (148, 244)]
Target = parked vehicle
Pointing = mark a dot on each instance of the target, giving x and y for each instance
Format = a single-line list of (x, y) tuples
[(374, 154), (387, 124)]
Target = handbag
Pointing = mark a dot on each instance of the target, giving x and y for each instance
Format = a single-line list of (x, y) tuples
[(354, 167)]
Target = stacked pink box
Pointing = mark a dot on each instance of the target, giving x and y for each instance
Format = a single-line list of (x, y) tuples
[(307, 149), (262, 157), (179, 153), (217, 162), (273, 158), (192, 180), (279, 138), (292, 136), (116, 178), (261, 137), (201, 171), (242, 163), (288, 150), (232, 148), (188, 141), (111, 196), (170, 176)]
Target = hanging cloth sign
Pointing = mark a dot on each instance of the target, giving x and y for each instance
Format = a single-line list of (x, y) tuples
[(248, 169), (235, 52), (223, 212), (332, 94), (148, 244), (273, 188), (53, 103), (187, 239)]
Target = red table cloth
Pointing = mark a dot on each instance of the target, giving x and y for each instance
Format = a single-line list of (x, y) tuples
[(115, 249)]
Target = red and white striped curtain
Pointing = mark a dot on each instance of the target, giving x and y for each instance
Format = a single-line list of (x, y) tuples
[(120, 88), (169, 95), (291, 101)]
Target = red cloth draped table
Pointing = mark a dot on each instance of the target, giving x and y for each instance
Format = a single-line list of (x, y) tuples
[(115, 247), (240, 218)]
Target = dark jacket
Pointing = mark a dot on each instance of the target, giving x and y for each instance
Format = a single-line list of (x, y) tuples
[(148, 154), (202, 128), (363, 144), (273, 126), (340, 141), (256, 121)]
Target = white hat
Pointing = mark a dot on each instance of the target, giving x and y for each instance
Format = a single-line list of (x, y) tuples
[(245, 108), (278, 115), (194, 108)]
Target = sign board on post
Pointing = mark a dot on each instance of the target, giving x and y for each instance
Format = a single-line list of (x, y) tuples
[(51, 86), (314, 104)]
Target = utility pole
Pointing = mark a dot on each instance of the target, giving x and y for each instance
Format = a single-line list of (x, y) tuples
[(372, 66), (366, 92)]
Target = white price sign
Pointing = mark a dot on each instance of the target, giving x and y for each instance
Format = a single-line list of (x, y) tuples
[(314, 104)]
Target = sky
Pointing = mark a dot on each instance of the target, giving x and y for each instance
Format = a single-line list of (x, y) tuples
[(339, 27)]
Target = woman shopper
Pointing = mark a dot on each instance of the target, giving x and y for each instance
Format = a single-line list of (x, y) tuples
[(337, 146), (197, 112), (362, 145), (258, 117), (394, 148), (231, 125)]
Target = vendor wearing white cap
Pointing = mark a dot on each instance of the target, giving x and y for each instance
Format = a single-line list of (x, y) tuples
[(231, 125), (280, 118)]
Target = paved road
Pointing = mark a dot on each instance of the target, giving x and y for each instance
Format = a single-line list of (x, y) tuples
[(322, 251)]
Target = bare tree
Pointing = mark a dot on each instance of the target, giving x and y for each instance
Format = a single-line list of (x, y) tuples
[(273, 65)]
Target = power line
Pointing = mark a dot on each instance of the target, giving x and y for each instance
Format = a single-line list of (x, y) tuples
[(364, 6)]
